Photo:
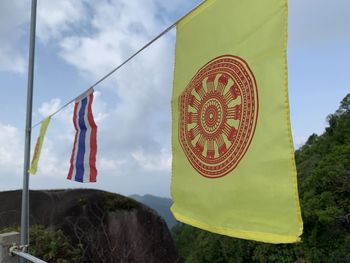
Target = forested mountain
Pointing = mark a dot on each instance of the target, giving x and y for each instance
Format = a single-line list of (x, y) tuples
[(323, 165)]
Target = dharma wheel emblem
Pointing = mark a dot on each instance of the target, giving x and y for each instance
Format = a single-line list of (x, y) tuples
[(218, 114)]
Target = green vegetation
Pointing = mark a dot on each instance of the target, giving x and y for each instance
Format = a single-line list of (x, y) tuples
[(50, 245), (323, 165), (87, 238), (114, 202)]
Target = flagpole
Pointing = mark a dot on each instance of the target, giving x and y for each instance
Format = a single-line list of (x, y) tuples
[(25, 191)]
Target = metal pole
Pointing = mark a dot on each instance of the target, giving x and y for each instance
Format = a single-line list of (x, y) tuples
[(25, 191), (27, 256)]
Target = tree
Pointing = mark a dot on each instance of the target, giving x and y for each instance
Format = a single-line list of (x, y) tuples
[(323, 165), (49, 245)]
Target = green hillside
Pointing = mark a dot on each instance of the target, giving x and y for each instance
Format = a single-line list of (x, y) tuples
[(323, 165)]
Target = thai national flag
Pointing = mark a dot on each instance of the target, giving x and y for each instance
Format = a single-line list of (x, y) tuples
[(83, 160)]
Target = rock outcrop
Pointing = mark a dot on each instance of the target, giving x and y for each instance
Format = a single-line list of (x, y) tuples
[(109, 227)]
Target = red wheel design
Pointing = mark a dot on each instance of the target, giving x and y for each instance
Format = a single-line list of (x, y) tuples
[(218, 114)]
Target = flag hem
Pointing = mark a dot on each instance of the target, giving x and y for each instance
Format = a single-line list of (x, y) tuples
[(243, 234), (288, 123), (193, 14)]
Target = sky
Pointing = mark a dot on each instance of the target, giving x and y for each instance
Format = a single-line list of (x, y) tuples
[(77, 42)]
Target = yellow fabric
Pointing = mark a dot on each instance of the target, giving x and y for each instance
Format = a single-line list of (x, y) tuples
[(257, 199), (39, 143)]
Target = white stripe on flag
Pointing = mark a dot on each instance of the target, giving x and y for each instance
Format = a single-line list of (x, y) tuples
[(87, 144), (77, 142)]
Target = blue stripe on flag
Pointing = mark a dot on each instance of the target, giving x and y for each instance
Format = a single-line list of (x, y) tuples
[(79, 176)]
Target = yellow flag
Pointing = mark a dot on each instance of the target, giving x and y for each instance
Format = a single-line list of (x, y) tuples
[(233, 159), (38, 146)]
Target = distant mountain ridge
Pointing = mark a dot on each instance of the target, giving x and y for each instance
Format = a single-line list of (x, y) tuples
[(160, 204)]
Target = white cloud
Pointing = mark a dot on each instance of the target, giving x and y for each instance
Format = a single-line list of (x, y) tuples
[(57, 17), (134, 131), (9, 145), (65, 115), (134, 124), (52, 162), (151, 163), (13, 16), (99, 108), (109, 165), (47, 108), (61, 125), (11, 157), (117, 29)]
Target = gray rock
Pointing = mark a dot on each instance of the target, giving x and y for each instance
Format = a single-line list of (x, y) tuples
[(111, 227)]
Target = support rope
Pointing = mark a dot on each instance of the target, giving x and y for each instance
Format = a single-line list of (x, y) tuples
[(123, 63)]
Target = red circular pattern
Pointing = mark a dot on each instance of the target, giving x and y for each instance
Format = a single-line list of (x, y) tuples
[(218, 114)]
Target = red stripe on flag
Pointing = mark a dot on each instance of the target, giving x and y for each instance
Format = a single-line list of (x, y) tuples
[(70, 173), (93, 142)]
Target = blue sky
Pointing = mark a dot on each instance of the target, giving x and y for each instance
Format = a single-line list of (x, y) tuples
[(79, 41)]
